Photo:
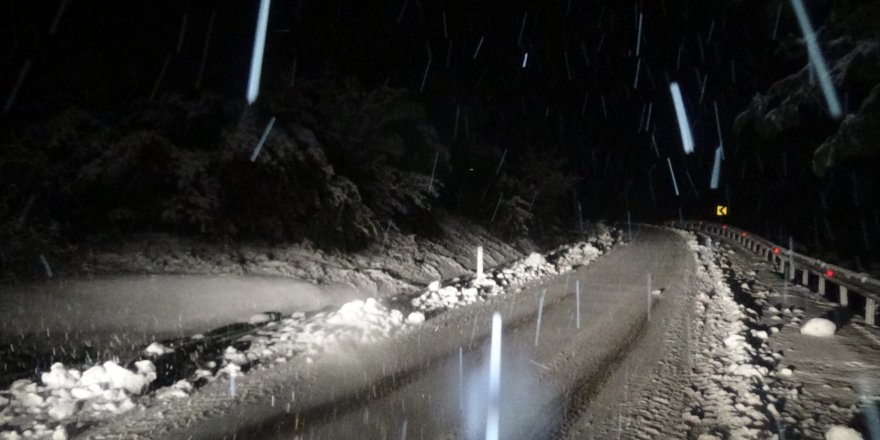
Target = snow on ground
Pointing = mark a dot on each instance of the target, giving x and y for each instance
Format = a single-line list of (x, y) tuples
[(463, 292), (823, 382), (716, 376), (756, 369), (67, 398), (731, 375)]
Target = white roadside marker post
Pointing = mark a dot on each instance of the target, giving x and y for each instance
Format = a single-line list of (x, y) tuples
[(479, 262)]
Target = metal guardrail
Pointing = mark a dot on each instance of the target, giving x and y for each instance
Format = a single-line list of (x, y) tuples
[(799, 268)]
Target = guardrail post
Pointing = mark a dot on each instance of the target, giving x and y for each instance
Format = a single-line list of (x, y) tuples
[(782, 266), (870, 310), (844, 296), (805, 277), (821, 285)]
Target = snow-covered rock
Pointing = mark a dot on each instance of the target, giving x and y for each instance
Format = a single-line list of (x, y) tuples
[(819, 327), (123, 378), (62, 410), (534, 261), (157, 349), (838, 432), (58, 377), (96, 375), (415, 318)]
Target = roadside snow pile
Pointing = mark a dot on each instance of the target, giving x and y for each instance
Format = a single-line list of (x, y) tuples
[(362, 322), (66, 396), (730, 376), (42, 410), (462, 292), (101, 392), (819, 327)]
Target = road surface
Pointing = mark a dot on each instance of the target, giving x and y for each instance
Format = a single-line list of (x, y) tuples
[(430, 382)]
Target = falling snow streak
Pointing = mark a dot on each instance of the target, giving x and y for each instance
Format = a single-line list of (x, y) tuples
[(639, 36), (818, 61), (57, 20), (445, 31), (433, 171), (672, 174), (21, 76), (501, 162), (684, 127), (263, 139), (776, 25), (402, 11), (522, 29), (540, 312), (525, 60), (642, 117), (182, 33), (259, 47), (718, 123), (498, 204), (584, 53), (201, 73), (687, 173), (427, 68), (385, 237), (678, 61), (46, 266), (648, 120), (160, 77), (493, 415), (580, 216), (479, 45), (703, 88), (716, 168)]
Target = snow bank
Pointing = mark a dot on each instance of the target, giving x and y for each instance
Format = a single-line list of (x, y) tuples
[(464, 292), (819, 327), (65, 395), (730, 378), (41, 411)]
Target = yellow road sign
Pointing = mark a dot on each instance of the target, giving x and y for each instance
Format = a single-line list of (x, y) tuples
[(720, 210)]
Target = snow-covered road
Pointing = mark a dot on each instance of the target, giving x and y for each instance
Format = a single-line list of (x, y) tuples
[(417, 382)]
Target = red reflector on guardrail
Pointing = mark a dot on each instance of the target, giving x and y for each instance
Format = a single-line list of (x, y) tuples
[(723, 226), (776, 250), (744, 234), (829, 273)]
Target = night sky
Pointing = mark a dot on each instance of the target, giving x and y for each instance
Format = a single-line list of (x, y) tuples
[(582, 95)]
